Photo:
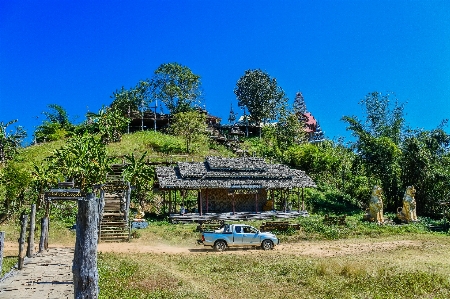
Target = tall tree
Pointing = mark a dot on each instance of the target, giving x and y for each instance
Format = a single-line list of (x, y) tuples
[(261, 95), (14, 184), (290, 130), (383, 120), (425, 164), (189, 125), (56, 126), (176, 86), (129, 100), (378, 141), (110, 122), (299, 104), (11, 141)]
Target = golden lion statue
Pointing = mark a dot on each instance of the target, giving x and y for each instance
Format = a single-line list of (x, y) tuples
[(375, 211), (407, 213)]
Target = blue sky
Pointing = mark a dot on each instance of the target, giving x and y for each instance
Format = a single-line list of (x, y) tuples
[(77, 53)]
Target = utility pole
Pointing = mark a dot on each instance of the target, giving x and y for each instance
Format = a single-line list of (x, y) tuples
[(142, 114), (154, 114)]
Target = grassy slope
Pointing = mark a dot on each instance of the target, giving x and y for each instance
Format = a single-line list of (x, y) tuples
[(404, 273)]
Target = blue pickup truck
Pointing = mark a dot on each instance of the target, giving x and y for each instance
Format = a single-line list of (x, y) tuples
[(238, 235)]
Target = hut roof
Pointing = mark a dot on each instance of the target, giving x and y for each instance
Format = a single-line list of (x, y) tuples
[(231, 173)]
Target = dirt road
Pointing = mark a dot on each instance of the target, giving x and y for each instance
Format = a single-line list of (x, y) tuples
[(49, 275)]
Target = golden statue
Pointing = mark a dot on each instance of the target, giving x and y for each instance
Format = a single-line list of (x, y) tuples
[(407, 213), (375, 210)]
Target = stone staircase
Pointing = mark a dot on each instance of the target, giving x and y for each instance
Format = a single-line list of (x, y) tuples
[(114, 226)]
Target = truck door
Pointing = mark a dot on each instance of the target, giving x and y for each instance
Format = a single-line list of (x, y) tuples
[(238, 234), (250, 236)]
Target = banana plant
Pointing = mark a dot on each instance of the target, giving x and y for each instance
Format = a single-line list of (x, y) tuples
[(140, 175), (83, 159)]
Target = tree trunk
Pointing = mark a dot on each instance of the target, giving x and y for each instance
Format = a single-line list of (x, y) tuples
[(30, 248), (23, 231), (85, 272), (2, 244), (43, 241)]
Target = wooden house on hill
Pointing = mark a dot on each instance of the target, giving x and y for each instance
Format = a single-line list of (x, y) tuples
[(245, 184)]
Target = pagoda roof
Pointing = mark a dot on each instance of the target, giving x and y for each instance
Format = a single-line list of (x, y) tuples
[(231, 173)]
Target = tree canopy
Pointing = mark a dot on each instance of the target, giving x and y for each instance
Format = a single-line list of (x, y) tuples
[(56, 126), (176, 86), (260, 94), (189, 125), (10, 142)]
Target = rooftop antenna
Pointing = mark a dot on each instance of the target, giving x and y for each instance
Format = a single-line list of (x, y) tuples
[(141, 107)]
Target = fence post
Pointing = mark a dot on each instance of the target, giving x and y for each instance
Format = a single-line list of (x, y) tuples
[(2, 244), (43, 241), (85, 272), (23, 231), (30, 248)]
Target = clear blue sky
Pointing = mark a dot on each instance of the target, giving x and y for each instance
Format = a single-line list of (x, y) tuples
[(76, 53)]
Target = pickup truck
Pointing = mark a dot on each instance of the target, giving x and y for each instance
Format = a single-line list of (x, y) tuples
[(231, 235)]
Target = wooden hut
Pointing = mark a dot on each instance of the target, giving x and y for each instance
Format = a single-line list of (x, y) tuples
[(246, 184)]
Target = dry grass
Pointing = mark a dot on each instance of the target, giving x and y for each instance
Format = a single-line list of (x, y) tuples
[(416, 269)]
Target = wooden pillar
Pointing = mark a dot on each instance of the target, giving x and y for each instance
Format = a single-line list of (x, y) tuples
[(164, 202), (170, 201), (84, 269), (30, 248), (303, 199), (43, 241), (234, 204), (175, 202), (2, 245), (272, 196), (206, 191), (201, 202), (23, 230), (256, 203)]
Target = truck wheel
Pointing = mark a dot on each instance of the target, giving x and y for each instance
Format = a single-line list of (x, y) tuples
[(267, 245), (220, 245)]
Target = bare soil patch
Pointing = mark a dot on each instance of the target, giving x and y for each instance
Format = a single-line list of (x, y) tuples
[(307, 248)]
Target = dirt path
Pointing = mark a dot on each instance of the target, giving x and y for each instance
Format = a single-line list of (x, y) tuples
[(306, 248), (49, 275)]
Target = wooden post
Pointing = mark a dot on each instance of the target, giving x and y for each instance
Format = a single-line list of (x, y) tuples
[(256, 203), (272, 195), (2, 244), (84, 269), (170, 201), (303, 199), (43, 241), (30, 248), (201, 203), (206, 194), (234, 204), (23, 231)]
